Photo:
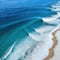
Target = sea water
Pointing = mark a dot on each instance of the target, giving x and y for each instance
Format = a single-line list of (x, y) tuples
[(25, 28)]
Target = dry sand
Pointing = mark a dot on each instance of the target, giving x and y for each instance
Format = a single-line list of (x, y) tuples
[(51, 50)]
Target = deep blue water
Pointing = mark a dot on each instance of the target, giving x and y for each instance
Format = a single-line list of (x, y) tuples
[(18, 18)]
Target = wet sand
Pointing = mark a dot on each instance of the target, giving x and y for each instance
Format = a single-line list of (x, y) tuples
[(51, 50)]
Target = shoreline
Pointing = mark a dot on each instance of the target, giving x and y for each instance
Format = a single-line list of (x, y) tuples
[(51, 50)]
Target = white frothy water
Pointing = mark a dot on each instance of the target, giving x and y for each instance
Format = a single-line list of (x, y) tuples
[(20, 49), (48, 19), (56, 7), (34, 35), (8, 52)]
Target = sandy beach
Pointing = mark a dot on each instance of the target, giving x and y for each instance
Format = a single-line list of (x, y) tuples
[(51, 50)]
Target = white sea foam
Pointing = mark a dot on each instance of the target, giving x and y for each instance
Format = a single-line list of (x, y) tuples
[(56, 7), (8, 52), (34, 35), (41, 50), (54, 17), (20, 49)]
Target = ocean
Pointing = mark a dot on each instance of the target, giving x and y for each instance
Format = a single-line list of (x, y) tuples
[(25, 28)]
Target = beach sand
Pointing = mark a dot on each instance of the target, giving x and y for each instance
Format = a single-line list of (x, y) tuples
[(51, 50)]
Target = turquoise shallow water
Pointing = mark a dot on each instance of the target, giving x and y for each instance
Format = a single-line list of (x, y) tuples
[(22, 28)]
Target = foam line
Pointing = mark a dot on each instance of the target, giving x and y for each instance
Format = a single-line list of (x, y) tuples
[(8, 52), (48, 19), (34, 35)]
